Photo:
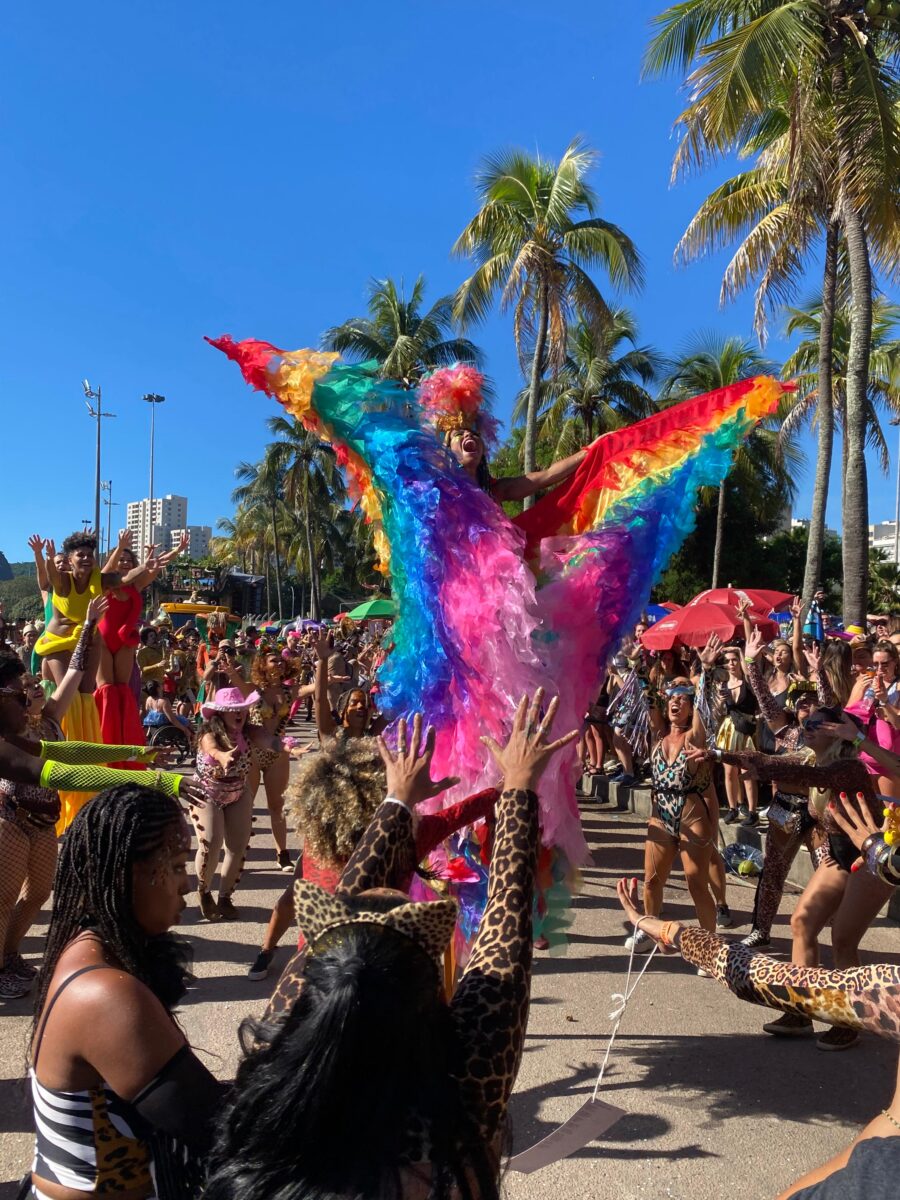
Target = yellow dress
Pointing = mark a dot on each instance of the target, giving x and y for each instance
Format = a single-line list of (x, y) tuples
[(80, 724), (74, 609)]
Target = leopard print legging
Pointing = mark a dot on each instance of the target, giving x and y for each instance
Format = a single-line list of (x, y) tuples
[(219, 825), (27, 867)]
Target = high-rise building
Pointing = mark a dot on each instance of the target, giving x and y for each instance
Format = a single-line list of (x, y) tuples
[(198, 539), (169, 512), (882, 537)]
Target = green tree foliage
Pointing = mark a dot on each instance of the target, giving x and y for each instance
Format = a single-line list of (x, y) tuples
[(602, 385), (21, 598), (884, 583), (754, 554), (534, 238), (406, 342)]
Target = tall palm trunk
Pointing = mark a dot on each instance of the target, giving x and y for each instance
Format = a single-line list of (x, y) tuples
[(534, 387), (313, 588), (825, 415), (277, 563), (720, 536), (856, 486)]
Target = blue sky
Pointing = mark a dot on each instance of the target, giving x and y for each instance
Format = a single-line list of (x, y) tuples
[(180, 169)]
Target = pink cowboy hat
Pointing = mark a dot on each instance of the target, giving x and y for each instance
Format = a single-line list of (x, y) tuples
[(229, 699)]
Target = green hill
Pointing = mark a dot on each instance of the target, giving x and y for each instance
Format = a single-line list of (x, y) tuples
[(21, 597)]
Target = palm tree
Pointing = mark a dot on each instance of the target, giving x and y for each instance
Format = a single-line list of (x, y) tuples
[(534, 238), (780, 211), (884, 582), (597, 389), (838, 70), (406, 343), (803, 367), (712, 362), (311, 487), (263, 487)]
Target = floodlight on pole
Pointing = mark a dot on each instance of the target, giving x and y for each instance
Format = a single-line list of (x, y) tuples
[(98, 414)]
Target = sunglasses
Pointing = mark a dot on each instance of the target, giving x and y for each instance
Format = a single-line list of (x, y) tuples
[(681, 690), (811, 724)]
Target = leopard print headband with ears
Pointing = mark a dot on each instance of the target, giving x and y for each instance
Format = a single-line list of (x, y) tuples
[(429, 924)]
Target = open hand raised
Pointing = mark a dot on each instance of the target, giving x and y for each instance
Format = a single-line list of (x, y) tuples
[(525, 755)]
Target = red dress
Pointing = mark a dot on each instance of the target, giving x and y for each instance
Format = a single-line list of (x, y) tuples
[(119, 624), (120, 718)]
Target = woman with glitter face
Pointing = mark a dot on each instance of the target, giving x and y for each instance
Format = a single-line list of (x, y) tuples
[(122, 1105)]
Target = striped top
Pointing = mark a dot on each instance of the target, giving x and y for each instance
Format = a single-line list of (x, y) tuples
[(87, 1140)]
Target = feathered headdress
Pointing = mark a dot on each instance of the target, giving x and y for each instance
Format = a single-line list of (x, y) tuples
[(453, 398)]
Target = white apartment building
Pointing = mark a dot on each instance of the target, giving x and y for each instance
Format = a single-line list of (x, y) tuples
[(881, 537), (169, 512), (198, 539)]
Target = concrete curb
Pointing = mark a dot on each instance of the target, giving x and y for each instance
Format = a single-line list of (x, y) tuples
[(637, 799)]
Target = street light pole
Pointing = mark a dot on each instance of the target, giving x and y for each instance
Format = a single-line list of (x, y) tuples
[(153, 399), (106, 486), (99, 414)]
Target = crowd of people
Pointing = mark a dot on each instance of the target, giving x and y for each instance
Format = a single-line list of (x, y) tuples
[(804, 733)]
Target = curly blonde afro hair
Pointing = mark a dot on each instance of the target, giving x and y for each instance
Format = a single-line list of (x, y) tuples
[(334, 794)]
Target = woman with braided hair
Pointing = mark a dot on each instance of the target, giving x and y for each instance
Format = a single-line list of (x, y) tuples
[(121, 1103)]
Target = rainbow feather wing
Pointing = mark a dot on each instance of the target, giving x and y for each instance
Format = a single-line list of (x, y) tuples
[(600, 542), (466, 637)]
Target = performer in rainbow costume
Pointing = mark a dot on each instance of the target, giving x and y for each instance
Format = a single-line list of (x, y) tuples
[(491, 608)]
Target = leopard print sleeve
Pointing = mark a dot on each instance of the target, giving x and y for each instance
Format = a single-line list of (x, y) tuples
[(490, 1006), (386, 854), (860, 997)]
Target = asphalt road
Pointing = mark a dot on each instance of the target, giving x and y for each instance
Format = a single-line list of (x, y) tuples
[(714, 1107)]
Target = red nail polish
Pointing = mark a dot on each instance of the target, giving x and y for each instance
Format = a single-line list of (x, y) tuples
[(855, 867)]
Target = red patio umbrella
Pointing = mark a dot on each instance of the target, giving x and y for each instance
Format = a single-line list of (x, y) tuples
[(692, 626), (761, 599), (670, 605)]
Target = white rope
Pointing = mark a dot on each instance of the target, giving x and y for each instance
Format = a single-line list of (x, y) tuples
[(620, 1002)]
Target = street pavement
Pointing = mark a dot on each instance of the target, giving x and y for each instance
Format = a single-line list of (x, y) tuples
[(714, 1107)]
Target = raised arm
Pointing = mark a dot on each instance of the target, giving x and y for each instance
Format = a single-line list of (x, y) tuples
[(386, 855), (774, 715), (123, 542), (58, 581), (819, 676), (519, 487), (797, 631), (495, 986), (36, 545), (324, 720)]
